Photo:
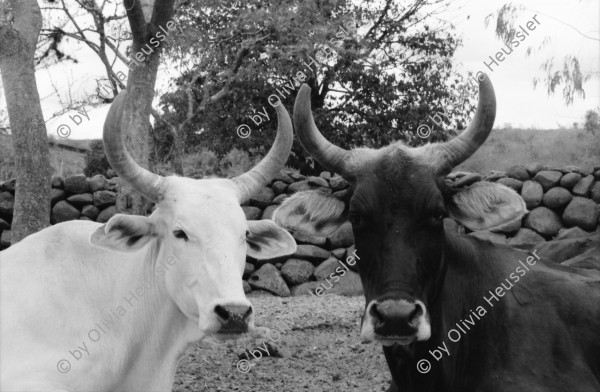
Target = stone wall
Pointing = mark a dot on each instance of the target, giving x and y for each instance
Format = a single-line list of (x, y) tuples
[(557, 198)]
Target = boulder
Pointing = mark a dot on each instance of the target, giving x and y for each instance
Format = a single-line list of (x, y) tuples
[(268, 212), (326, 175), (581, 212), (296, 271), (351, 258), (104, 198), (98, 183), (326, 268), (348, 285), (511, 183), (90, 211), (307, 288), (584, 186), (106, 214), (57, 195), (569, 180), (548, 178), (572, 232), (570, 169), (7, 205), (597, 174), (279, 187), (311, 253), (63, 211), (300, 186), (4, 225), (8, 186), (80, 200), (283, 177), (595, 192), (76, 184), (5, 239), (269, 278), (252, 213), (535, 168), (544, 221), (557, 197), (489, 236), (263, 198), (279, 199), (248, 270), (337, 183), (57, 182), (297, 176), (318, 181), (303, 238), (247, 288), (85, 218), (468, 179), (561, 250), (526, 236), (518, 173), (343, 237), (494, 175), (532, 193)]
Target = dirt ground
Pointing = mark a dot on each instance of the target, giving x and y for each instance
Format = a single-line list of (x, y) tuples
[(317, 348)]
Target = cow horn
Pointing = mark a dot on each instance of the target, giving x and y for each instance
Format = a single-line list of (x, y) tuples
[(253, 180), (327, 154), (463, 146), (145, 182)]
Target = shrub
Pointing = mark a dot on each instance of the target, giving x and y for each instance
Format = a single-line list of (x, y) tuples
[(95, 160)]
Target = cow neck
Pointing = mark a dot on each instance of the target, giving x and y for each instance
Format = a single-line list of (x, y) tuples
[(156, 331)]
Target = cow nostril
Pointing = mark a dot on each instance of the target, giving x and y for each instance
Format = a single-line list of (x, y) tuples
[(376, 314), (222, 312), (416, 313)]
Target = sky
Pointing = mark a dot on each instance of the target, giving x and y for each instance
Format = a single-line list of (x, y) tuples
[(563, 23)]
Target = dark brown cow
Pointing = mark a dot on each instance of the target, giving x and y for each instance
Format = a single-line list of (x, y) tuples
[(456, 313)]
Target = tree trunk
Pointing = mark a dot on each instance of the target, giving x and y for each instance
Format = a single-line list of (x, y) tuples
[(18, 38)]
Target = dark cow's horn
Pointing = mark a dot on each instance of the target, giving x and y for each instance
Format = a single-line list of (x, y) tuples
[(145, 182), (252, 181), (463, 146), (327, 154)]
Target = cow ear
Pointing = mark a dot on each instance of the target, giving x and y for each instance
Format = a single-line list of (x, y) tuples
[(125, 233), (266, 240), (487, 206)]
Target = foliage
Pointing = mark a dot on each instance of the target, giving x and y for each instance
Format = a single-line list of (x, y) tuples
[(95, 160), (387, 72), (592, 121)]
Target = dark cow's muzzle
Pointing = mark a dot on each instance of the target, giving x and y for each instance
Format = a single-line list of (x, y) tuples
[(395, 321), (234, 318)]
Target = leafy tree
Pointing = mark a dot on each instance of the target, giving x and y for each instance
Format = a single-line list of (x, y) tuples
[(380, 71), (95, 160), (592, 121)]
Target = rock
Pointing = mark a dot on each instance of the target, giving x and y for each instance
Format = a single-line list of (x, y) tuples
[(297, 176), (511, 183), (318, 181), (98, 183), (63, 211), (7, 205), (269, 278), (8, 186), (85, 218), (268, 212), (90, 211), (494, 175), (113, 183), (535, 168), (247, 288), (595, 192), (584, 186), (561, 250), (57, 182), (518, 173), (508, 227), (571, 232), (570, 169), (489, 236), (325, 175), (339, 253), (311, 253), (343, 237), (526, 236), (283, 177), (548, 178), (307, 288), (337, 183), (557, 197), (349, 285), (248, 270), (106, 214), (581, 212), (4, 225), (104, 198), (326, 268), (263, 198), (468, 179), (76, 184), (296, 271), (279, 187), (303, 238), (57, 195), (252, 213), (351, 257), (300, 186), (597, 174), (532, 193), (569, 180), (5, 239), (80, 200), (544, 221), (279, 199)]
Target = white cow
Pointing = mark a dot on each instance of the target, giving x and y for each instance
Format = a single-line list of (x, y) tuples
[(86, 306)]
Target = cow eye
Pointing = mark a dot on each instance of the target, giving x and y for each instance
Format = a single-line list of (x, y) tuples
[(180, 234), (440, 214)]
